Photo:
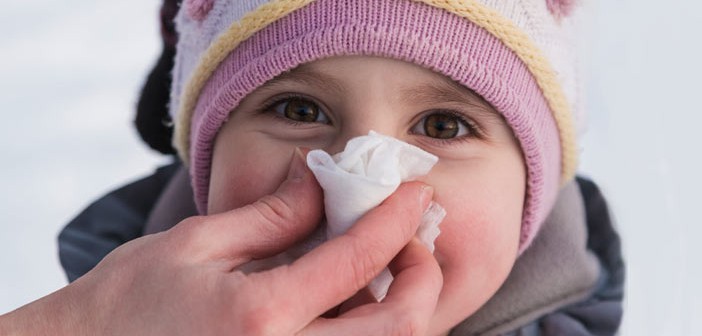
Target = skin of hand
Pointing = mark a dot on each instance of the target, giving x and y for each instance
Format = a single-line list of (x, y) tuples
[(185, 281)]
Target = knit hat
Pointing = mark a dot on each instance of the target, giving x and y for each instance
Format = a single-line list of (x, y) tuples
[(516, 54)]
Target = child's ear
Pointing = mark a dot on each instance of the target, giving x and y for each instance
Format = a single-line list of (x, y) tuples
[(561, 8)]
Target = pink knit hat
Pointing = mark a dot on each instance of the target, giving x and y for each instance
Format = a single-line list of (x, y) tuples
[(516, 54)]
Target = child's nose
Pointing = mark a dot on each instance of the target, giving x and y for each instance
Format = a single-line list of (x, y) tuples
[(339, 143)]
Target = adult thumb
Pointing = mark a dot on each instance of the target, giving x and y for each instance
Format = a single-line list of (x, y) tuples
[(272, 223)]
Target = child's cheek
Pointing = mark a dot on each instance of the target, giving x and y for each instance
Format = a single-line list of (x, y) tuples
[(244, 174), (479, 225), (476, 251)]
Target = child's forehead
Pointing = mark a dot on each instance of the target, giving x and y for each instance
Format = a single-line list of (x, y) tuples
[(424, 86)]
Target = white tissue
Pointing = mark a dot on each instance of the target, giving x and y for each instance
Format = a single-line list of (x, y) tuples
[(358, 179)]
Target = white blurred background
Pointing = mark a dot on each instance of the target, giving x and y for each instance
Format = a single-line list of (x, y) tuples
[(70, 72)]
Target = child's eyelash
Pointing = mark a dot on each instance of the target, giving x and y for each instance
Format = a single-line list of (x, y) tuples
[(475, 131), (269, 105), (473, 127)]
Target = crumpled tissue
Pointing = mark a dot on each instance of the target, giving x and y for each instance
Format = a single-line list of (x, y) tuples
[(358, 179)]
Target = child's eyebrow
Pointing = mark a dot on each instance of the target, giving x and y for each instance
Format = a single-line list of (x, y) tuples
[(440, 91), (304, 75), (447, 91)]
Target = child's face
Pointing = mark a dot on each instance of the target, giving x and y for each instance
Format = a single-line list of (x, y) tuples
[(480, 178)]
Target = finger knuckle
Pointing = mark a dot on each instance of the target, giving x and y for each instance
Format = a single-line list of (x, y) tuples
[(406, 324), (186, 226), (258, 320), (368, 258), (275, 211), (189, 234), (406, 215)]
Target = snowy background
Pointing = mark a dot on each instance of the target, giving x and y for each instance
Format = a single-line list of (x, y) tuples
[(70, 72)]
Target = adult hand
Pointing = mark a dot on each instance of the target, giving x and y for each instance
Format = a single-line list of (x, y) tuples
[(185, 281)]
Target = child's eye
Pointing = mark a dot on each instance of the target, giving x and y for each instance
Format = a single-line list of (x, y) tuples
[(443, 125), (300, 110)]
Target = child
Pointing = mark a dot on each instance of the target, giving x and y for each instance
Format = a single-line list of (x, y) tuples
[(488, 87)]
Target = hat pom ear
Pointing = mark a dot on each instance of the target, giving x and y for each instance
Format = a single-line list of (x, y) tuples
[(561, 8), (198, 9)]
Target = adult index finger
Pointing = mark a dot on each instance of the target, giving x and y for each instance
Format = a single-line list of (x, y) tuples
[(337, 269)]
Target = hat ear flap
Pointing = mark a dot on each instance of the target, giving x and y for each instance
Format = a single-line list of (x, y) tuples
[(561, 8), (198, 9)]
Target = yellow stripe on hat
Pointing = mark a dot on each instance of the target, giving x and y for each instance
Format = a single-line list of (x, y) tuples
[(492, 21)]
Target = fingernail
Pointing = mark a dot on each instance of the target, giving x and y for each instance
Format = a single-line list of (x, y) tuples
[(298, 168), (425, 196)]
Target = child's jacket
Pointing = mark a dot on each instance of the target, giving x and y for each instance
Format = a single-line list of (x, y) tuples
[(568, 282)]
